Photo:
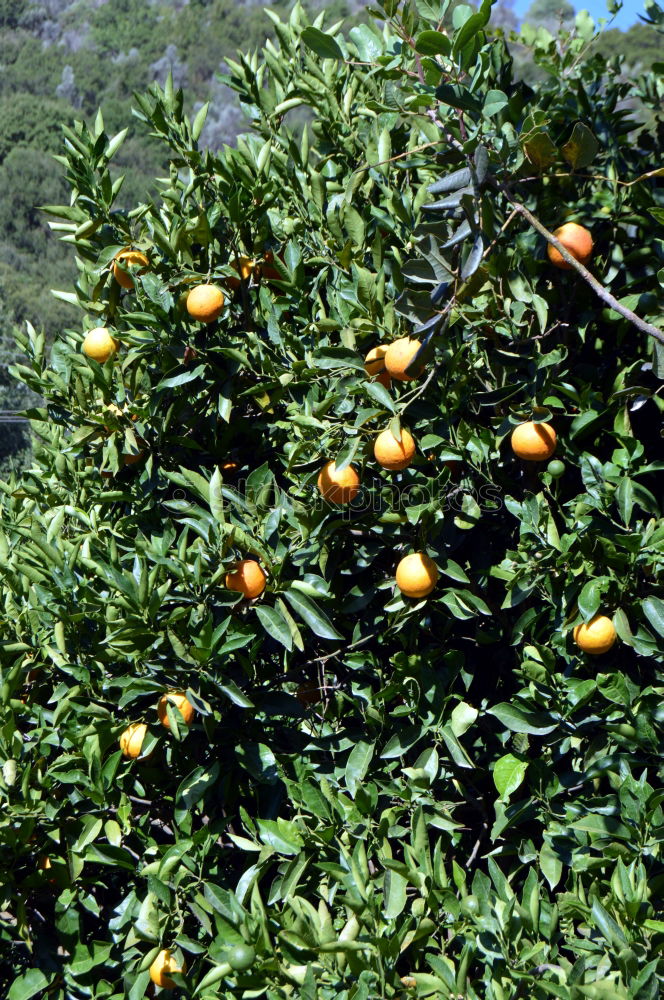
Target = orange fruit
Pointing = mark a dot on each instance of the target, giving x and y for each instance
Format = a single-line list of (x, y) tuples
[(399, 355), (205, 303), (247, 578), (181, 702), (374, 365), (265, 269), (100, 345), (132, 457), (338, 487), (596, 636), (534, 442), (44, 863), (229, 466), (115, 411), (393, 454), (130, 258), (245, 266), (416, 575), (163, 965), (576, 239), (131, 739)]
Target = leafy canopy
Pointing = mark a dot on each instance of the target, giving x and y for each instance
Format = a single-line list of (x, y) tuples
[(459, 802)]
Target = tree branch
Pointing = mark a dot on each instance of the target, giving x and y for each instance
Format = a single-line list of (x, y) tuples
[(598, 288)]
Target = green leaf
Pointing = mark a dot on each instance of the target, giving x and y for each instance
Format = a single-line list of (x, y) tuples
[(462, 718), (494, 102), (625, 499), (310, 613), (196, 784), (608, 927), (369, 45), (540, 149), (233, 693), (551, 865), (199, 121), (653, 609), (357, 765), (275, 625), (589, 600), (280, 834), (394, 894), (581, 148), (474, 258), (322, 44), (146, 925), (508, 773), (471, 27), (216, 497), (521, 721), (456, 96), (29, 984), (433, 43)]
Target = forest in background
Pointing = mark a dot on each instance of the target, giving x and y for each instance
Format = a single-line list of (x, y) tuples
[(64, 59)]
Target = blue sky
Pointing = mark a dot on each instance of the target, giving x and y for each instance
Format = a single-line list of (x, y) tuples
[(597, 8)]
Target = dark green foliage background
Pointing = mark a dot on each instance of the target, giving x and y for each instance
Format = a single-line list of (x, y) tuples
[(473, 803)]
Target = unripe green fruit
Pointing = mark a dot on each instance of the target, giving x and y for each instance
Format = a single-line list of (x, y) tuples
[(470, 905), (556, 468), (241, 957)]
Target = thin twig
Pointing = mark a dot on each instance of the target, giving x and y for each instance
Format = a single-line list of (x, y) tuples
[(474, 852), (502, 229), (598, 288)]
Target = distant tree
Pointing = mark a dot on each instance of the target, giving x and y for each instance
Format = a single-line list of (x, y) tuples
[(504, 16), (641, 46), (27, 122), (549, 13)]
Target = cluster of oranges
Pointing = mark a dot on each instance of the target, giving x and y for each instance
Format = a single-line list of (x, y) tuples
[(416, 574), (247, 578)]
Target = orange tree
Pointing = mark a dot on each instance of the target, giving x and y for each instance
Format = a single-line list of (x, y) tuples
[(238, 759)]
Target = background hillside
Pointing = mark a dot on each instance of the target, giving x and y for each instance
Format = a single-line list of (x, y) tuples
[(66, 58)]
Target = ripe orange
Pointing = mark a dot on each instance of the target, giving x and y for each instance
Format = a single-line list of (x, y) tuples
[(596, 636), (115, 411), (374, 365), (132, 457), (205, 303), (181, 702), (131, 739), (577, 241), (399, 355), (393, 454), (163, 965), (245, 266), (100, 345), (44, 863), (338, 487), (417, 575), (247, 577), (130, 258), (229, 466), (266, 270), (534, 442)]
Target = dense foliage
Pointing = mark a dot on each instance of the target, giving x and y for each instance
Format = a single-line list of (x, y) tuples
[(378, 796)]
